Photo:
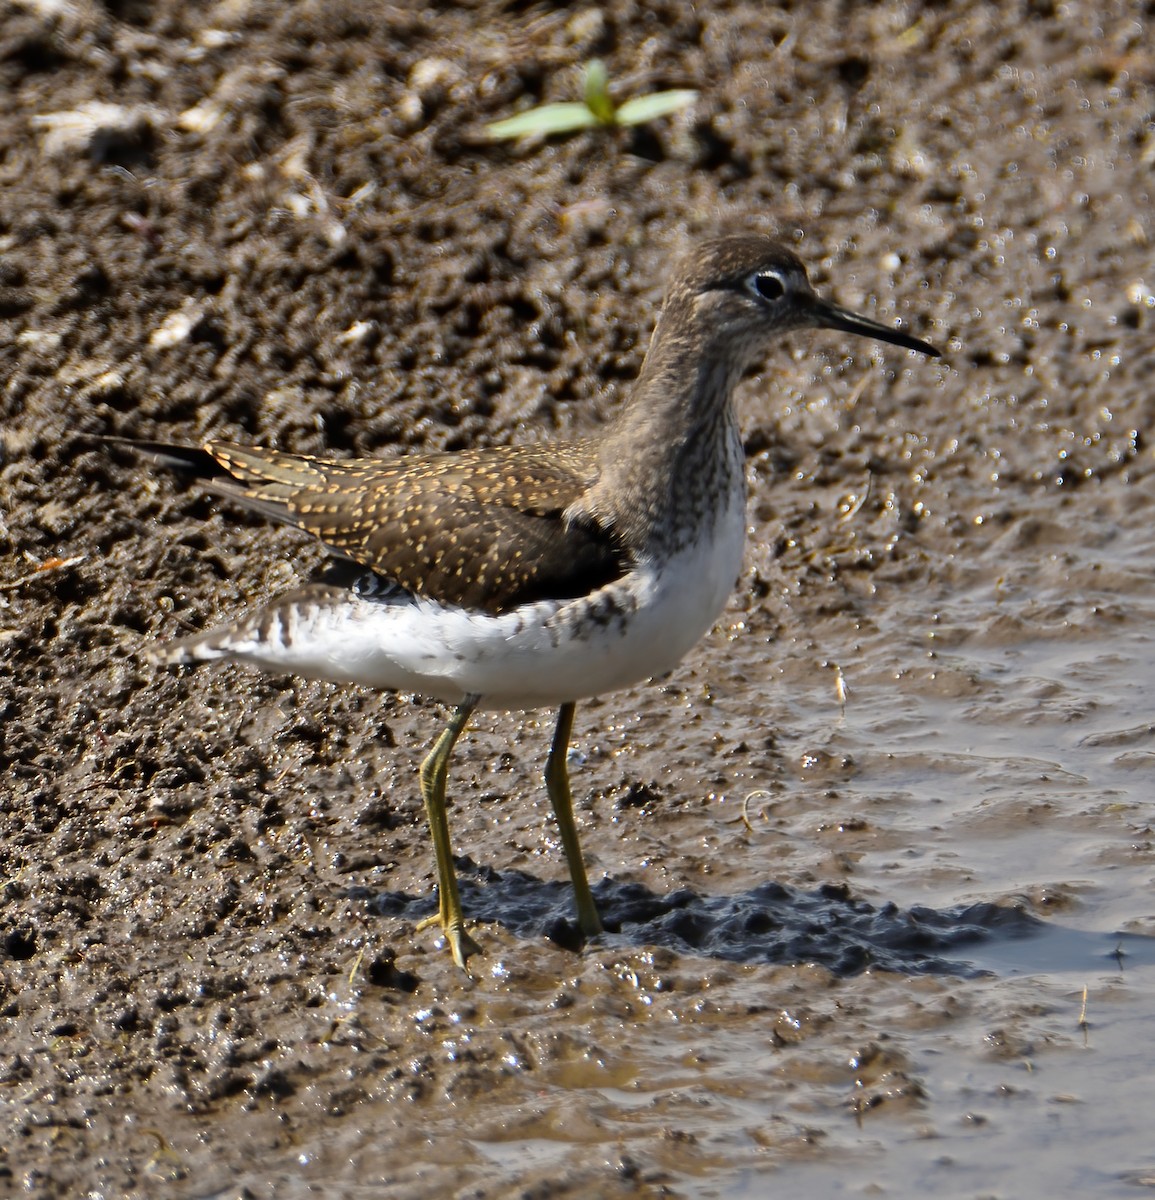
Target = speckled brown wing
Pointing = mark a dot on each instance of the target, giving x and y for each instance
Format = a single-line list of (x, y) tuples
[(484, 529)]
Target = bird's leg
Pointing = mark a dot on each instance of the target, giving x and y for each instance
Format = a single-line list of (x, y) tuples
[(557, 784), (434, 771)]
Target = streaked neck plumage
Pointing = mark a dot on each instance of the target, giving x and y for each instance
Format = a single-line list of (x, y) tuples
[(672, 456)]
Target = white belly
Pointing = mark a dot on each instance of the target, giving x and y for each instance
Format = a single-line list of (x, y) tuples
[(536, 656)]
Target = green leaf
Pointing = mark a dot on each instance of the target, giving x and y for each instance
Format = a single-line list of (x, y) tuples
[(659, 104), (549, 118), (597, 93)]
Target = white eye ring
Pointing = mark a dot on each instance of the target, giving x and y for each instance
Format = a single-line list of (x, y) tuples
[(767, 285)]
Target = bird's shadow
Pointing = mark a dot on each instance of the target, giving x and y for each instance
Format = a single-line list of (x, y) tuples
[(771, 923)]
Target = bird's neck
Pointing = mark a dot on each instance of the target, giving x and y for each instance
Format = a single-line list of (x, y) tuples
[(669, 458)]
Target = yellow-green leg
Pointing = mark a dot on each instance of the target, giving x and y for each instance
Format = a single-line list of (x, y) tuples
[(434, 771), (557, 784)]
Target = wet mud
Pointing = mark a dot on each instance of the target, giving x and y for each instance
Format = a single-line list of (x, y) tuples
[(876, 862)]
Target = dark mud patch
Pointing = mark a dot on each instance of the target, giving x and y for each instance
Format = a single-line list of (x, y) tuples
[(770, 924)]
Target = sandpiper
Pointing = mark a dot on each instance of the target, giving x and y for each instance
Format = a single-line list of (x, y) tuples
[(521, 577)]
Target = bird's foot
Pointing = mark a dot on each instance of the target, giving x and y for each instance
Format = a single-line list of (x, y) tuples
[(461, 945)]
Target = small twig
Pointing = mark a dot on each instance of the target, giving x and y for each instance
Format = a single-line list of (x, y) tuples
[(49, 564), (856, 504), (744, 817)]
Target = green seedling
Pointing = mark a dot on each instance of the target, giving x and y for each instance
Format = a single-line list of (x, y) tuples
[(597, 109)]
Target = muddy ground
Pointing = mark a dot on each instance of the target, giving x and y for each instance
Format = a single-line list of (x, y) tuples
[(860, 856)]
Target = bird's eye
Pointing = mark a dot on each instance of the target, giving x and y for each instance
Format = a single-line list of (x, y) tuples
[(768, 285)]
